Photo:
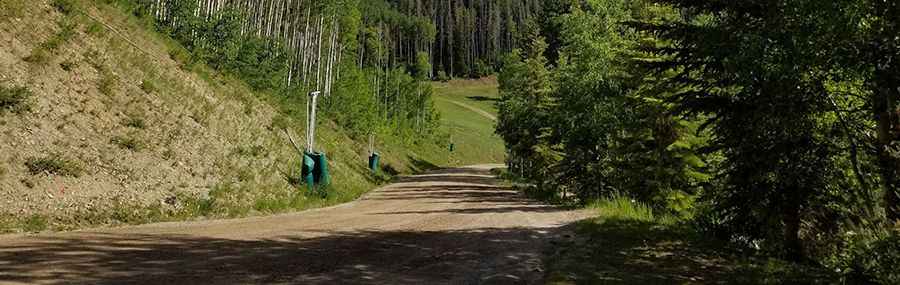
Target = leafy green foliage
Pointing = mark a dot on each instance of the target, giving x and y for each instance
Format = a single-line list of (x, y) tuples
[(769, 128), (523, 117), (600, 128)]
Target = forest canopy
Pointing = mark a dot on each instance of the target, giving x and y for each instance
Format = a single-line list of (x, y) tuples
[(771, 124)]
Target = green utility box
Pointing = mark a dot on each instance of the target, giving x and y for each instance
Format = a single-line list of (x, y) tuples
[(307, 171), (373, 162), (320, 173)]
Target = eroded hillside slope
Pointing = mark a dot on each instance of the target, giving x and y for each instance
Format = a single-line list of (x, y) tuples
[(116, 129)]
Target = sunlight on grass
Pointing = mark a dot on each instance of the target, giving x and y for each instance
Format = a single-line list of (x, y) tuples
[(624, 208), (471, 132)]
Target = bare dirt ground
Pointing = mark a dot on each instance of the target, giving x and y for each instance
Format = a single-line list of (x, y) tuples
[(453, 226)]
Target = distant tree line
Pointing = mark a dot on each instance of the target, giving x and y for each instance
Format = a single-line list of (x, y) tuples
[(773, 124), (464, 38)]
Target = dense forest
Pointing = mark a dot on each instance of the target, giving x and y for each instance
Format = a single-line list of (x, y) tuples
[(468, 36), (771, 124)]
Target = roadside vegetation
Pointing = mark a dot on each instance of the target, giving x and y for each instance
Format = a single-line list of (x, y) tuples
[(771, 131), (632, 243)]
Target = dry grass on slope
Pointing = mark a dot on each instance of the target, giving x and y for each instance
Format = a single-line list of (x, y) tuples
[(153, 139)]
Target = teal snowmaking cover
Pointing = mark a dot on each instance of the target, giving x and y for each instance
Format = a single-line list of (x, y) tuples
[(307, 170), (321, 175), (373, 162)]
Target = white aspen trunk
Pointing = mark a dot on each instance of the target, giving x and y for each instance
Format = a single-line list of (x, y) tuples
[(306, 41), (319, 53)]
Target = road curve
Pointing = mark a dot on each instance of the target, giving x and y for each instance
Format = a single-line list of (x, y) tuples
[(453, 226)]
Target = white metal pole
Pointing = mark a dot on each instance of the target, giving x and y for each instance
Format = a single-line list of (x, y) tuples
[(308, 125), (311, 143)]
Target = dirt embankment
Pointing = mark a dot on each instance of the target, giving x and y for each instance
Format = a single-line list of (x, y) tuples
[(117, 127)]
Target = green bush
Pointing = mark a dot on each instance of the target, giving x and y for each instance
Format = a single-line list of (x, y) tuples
[(129, 143), (442, 76), (149, 86), (35, 223), (63, 6), (14, 99), (107, 83), (53, 164), (95, 28), (880, 262), (135, 122), (483, 69), (67, 65)]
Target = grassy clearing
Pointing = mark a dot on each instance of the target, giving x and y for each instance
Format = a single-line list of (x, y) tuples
[(471, 132), (482, 93), (629, 244)]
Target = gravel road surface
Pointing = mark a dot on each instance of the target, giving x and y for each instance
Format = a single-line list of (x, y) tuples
[(453, 226)]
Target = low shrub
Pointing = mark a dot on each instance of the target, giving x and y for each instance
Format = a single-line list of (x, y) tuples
[(14, 99), (149, 86), (126, 142), (43, 52), (443, 77), (68, 65), (135, 122), (35, 223), (64, 6), (53, 164)]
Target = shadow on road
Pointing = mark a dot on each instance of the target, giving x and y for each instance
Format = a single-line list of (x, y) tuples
[(624, 251), (483, 98), (335, 258)]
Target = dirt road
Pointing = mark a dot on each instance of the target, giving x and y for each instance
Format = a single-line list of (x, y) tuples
[(481, 112), (449, 227)]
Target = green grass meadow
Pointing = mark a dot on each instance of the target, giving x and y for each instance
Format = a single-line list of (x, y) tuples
[(471, 132)]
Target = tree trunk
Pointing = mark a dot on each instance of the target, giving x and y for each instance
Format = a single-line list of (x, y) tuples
[(887, 117), (793, 246), (886, 95)]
